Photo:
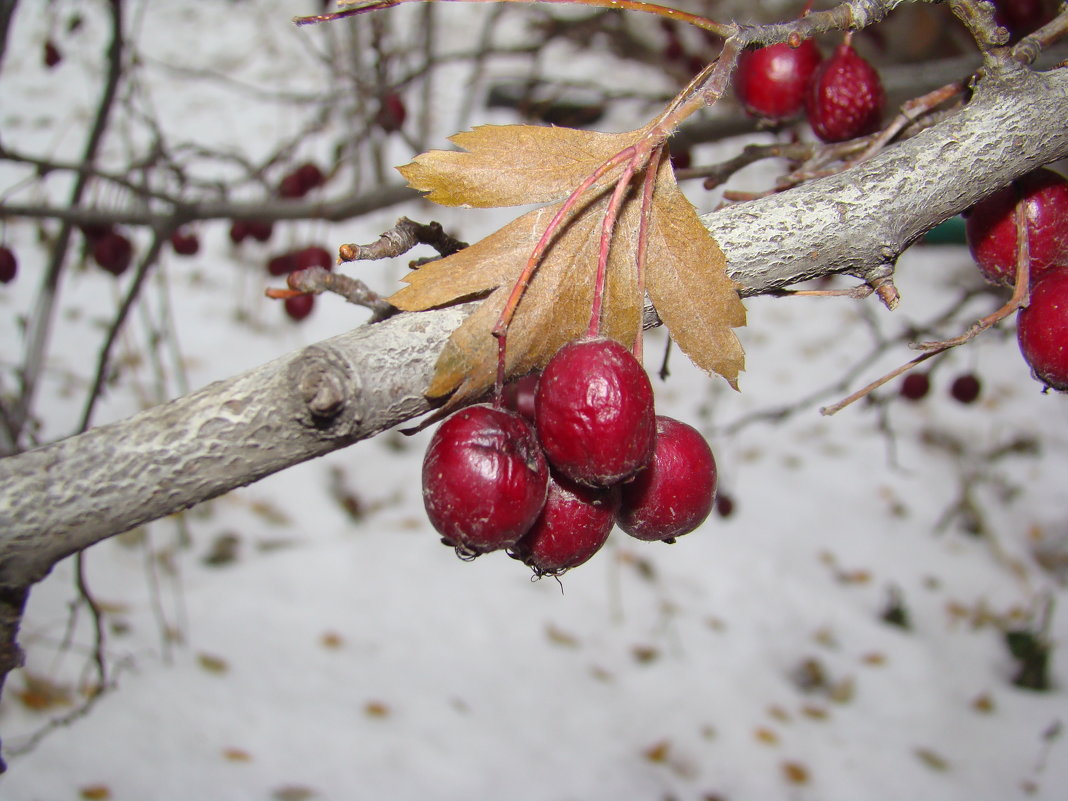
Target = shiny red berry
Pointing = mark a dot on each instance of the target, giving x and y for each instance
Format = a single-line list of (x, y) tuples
[(676, 492), (9, 265), (594, 412), (771, 81), (484, 479), (845, 98), (990, 227), (1042, 329), (573, 525), (299, 306)]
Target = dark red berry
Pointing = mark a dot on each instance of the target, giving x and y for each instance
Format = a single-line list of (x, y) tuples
[(1021, 17), (1042, 329), (771, 81), (51, 55), (292, 187), (94, 231), (185, 243), (299, 306), (9, 265), (239, 231), (681, 158), (845, 98), (965, 388), (314, 256), (724, 504), (113, 252), (676, 492), (391, 112), (573, 525), (484, 479), (519, 395), (990, 227), (282, 264), (310, 176), (594, 412), (915, 386), (260, 230)]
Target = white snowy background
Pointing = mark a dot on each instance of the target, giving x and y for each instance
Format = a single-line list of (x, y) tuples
[(341, 658)]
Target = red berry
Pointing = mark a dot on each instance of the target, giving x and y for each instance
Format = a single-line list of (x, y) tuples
[(681, 159), (260, 230), (990, 227), (282, 264), (185, 243), (845, 98), (292, 186), (51, 56), (915, 386), (724, 504), (573, 525), (113, 252), (314, 256), (391, 112), (1020, 17), (9, 265), (519, 395), (299, 306), (484, 479), (771, 81), (965, 388), (94, 231), (310, 176), (239, 231), (594, 412), (1042, 329), (676, 492)]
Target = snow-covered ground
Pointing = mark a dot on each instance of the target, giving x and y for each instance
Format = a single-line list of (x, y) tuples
[(353, 657)]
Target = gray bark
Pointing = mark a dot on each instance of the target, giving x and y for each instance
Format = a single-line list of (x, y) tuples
[(66, 496)]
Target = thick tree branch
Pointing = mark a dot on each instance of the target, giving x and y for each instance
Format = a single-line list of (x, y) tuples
[(66, 496)]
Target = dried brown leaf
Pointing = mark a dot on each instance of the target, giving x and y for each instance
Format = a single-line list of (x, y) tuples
[(512, 165)]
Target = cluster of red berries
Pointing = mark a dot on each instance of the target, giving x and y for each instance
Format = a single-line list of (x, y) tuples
[(300, 306), (110, 249), (842, 95), (301, 181), (546, 473), (965, 388), (991, 230)]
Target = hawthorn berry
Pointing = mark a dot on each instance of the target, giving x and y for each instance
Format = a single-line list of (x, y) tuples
[(771, 81), (965, 388), (94, 231), (314, 256), (573, 525), (1020, 17), (594, 412), (1042, 329), (51, 55), (113, 252), (391, 112), (519, 395), (484, 479), (185, 243), (9, 265), (292, 186), (260, 230), (282, 264), (845, 97), (676, 492), (990, 227), (310, 176), (915, 386), (239, 231), (299, 306)]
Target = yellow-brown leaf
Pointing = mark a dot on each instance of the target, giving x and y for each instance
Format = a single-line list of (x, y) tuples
[(513, 165)]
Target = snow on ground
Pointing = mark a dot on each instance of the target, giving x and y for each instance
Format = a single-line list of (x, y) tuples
[(342, 658)]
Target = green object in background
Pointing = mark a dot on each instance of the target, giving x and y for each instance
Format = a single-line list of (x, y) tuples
[(951, 232)]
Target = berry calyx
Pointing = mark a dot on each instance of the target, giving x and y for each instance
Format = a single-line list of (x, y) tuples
[(573, 525), (1042, 329), (990, 227), (915, 386), (594, 412), (771, 81), (185, 243), (965, 388), (113, 252), (9, 265), (676, 492), (484, 479), (299, 306), (845, 98)]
